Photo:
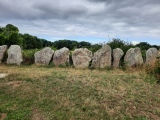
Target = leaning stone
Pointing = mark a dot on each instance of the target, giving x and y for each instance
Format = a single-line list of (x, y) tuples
[(102, 57), (44, 56), (133, 57), (2, 51), (151, 55), (61, 57), (14, 55), (117, 54), (81, 57)]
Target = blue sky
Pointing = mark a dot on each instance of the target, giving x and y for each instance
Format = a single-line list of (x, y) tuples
[(85, 20)]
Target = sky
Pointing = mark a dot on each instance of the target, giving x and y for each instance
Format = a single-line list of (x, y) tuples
[(95, 21)]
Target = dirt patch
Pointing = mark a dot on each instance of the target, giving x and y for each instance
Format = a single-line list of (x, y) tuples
[(3, 116), (36, 115), (14, 84)]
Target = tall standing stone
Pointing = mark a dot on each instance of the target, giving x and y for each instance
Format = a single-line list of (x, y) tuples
[(133, 57), (14, 55), (102, 57), (61, 57), (117, 54), (151, 55), (44, 56), (81, 57), (2, 51)]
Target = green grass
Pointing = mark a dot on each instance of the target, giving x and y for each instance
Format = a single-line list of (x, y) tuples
[(41, 93)]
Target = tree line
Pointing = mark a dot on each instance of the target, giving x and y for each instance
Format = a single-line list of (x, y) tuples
[(10, 35)]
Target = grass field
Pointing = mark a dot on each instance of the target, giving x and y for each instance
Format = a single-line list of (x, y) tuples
[(46, 93)]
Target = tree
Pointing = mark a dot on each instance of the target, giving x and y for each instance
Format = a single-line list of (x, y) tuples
[(94, 47), (70, 44), (1, 29), (9, 35), (117, 43), (65, 43), (29, 41), (156, 46), (2, 39), (84, 44), (13, 38), (143, 45), (10, 28)]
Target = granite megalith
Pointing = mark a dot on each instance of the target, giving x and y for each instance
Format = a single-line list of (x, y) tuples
[(151, 55), (133, 57), (102, 57), (61, 57), (44, 56), (81, 57), (14, 55), (117, 55), (2, 51)]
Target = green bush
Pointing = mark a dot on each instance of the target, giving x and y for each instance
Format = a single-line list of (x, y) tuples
[(28, 56), (143, 54), (70, 59), (154, 70)]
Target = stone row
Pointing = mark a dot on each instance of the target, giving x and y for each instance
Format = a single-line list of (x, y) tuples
[(82, 57)]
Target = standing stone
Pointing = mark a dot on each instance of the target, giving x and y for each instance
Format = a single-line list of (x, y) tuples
[(151, 55), (117, 54), (133, 57), (44, 56), (102, 57), (158, 56), (14, 55), (2, 51), (61, 57), (81, 57)]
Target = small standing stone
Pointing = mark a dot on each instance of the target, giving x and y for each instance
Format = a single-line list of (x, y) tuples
[(2, 51), (151, 55), (117, 54)]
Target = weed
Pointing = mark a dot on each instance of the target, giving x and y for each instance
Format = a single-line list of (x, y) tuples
[(154, 70)]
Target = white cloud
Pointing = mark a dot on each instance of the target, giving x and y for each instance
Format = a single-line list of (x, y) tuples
[(135, 42), (90, 18)]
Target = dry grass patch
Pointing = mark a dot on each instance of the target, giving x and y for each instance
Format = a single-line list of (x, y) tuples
[(36, 115), (68, 93)]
